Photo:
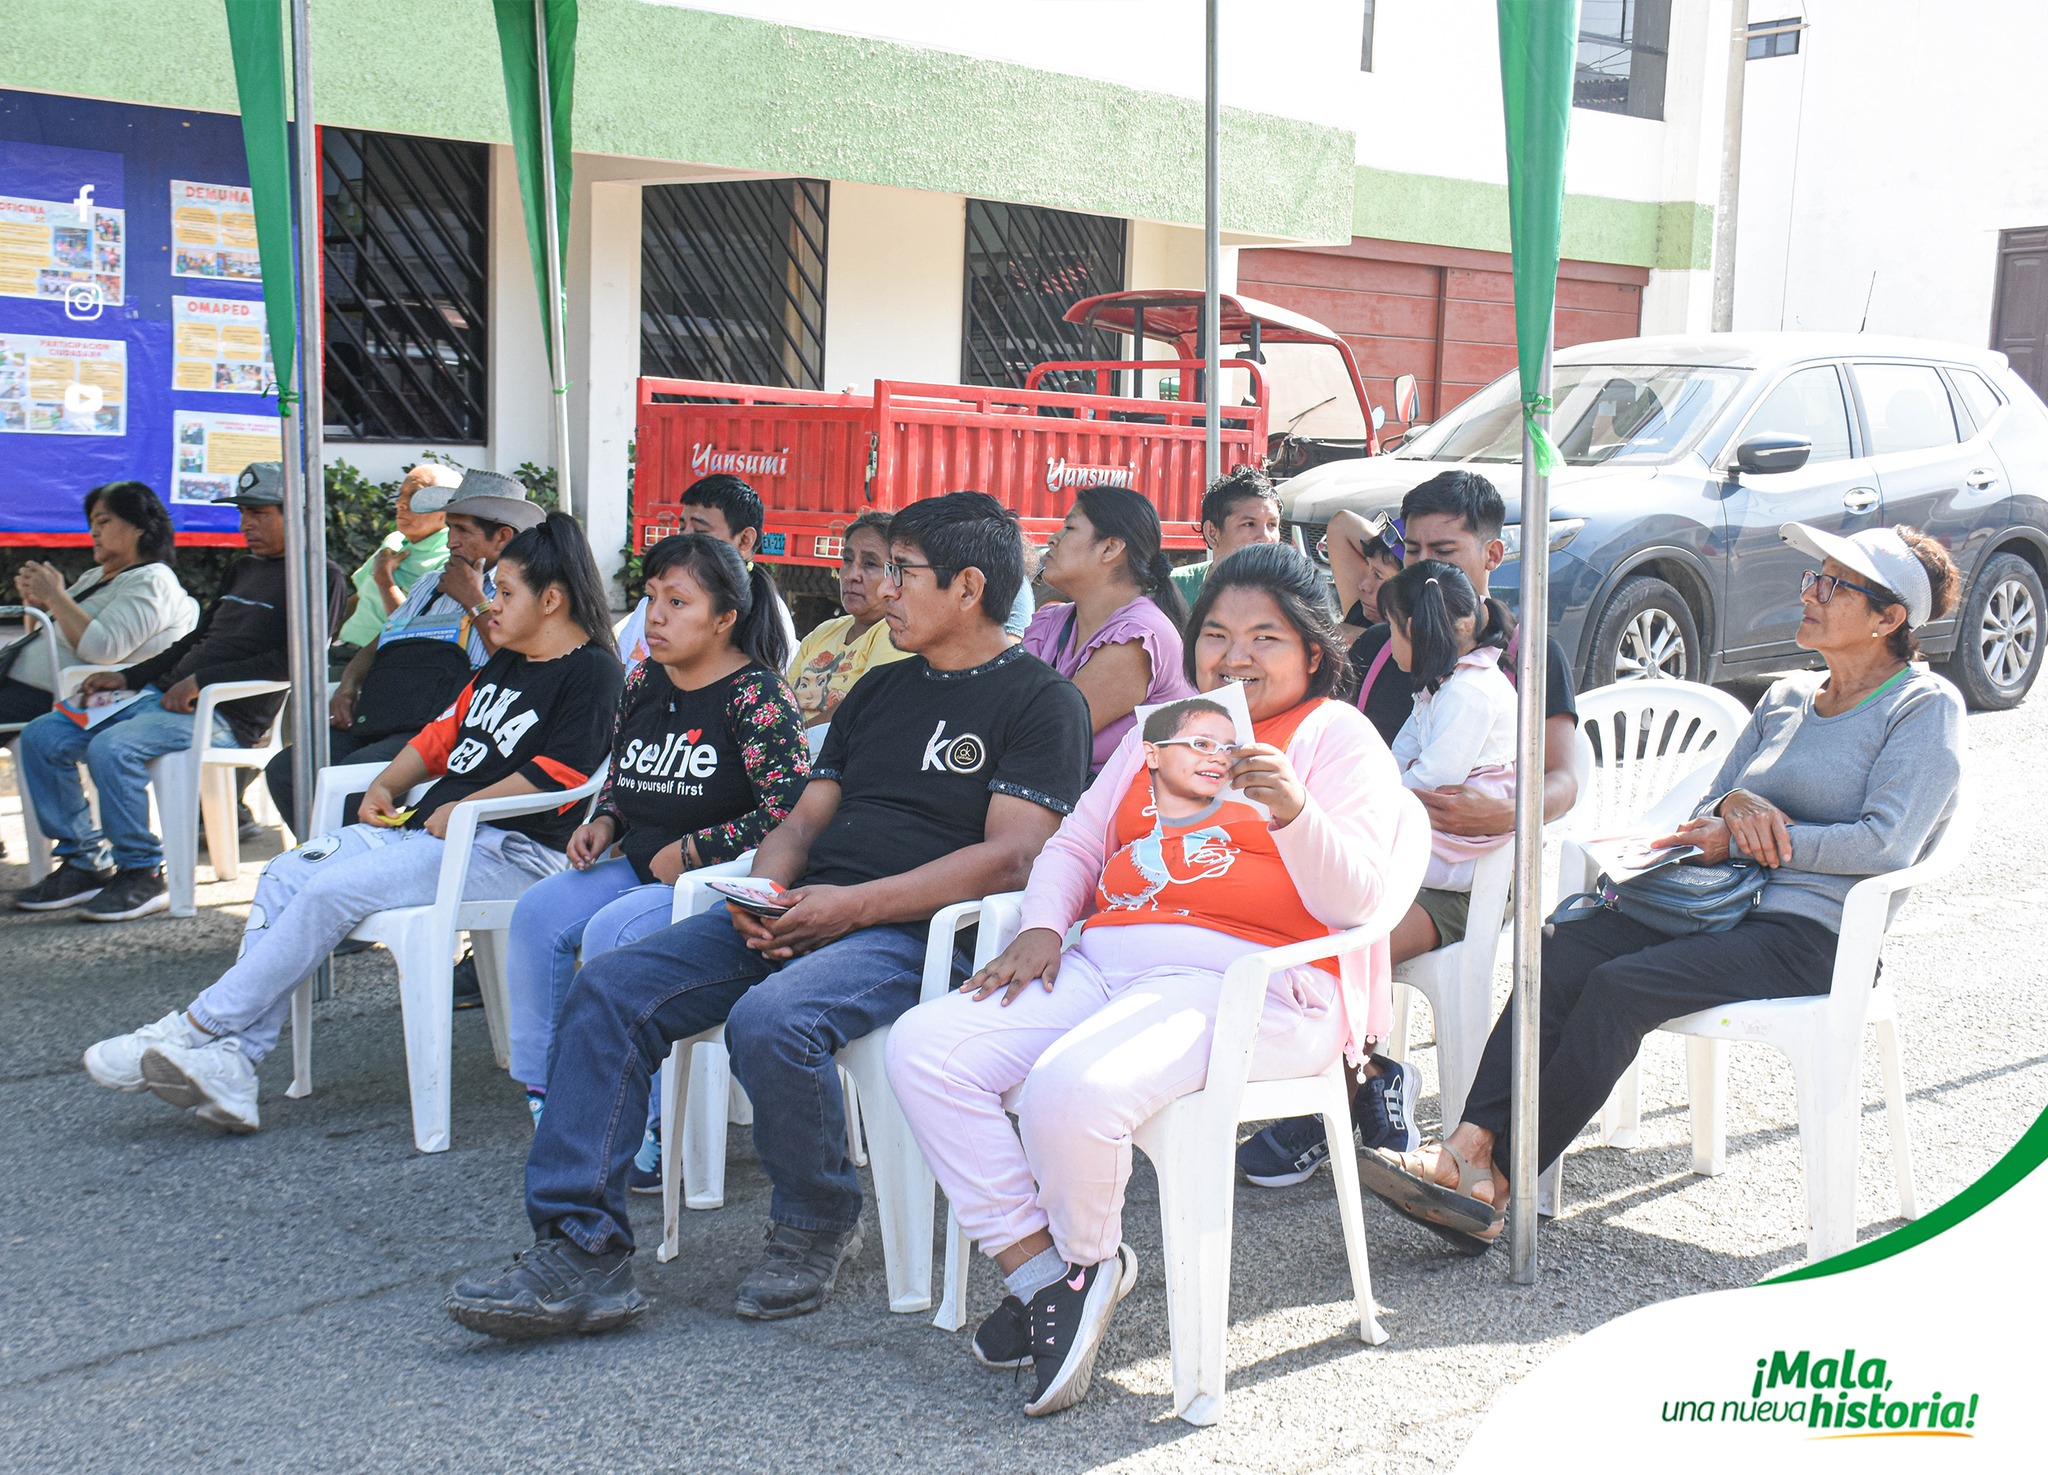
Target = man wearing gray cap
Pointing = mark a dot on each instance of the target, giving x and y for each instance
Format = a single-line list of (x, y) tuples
[(116, 870), (423, 657)]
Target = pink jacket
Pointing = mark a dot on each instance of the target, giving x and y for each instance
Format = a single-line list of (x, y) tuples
[(1334, 850)]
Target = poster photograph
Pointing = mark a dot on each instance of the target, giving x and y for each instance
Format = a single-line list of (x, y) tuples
[(209, 451), (63, 386), (213, 232), (63, 250), (220, 346)]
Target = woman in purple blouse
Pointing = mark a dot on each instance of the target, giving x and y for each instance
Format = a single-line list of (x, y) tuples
[(1118, 636)]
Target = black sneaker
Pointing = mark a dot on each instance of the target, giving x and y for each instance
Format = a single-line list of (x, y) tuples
[(129, 895), (469, 989), (1003, 1340), (796, 1274), (552, 1288), (1285, 1153), (1383, 1109), (1069, 1319), (66, 886)]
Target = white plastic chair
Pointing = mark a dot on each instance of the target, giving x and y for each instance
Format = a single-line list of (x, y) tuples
[(10, 739), (422, 943), (1657, 745), (698, 1085), (1192, 1142), (1458, 980), (199, 783), (1822, 1036)]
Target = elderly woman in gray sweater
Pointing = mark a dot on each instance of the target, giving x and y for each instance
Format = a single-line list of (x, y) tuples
[(1836, 778), (125, 609)]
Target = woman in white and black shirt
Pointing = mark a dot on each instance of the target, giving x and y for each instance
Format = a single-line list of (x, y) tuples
[(125, 609), (708, 757), (535, 719)]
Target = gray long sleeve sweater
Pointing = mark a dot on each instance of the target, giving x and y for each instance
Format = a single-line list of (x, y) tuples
[(1867, 790)]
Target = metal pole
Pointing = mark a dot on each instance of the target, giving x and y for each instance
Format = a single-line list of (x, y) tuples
[(558, 326), (1731, 173), (1528, 996), (304, 478), (1212, 263)]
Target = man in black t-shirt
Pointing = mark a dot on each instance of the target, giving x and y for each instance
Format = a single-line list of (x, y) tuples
[(943, 776)]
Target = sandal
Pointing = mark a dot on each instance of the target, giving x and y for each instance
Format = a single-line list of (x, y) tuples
[(1401, 1181)]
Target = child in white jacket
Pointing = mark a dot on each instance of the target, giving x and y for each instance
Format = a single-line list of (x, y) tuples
[(1463, 728)]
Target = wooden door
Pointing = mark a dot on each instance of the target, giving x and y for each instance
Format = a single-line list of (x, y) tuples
[(2019, 313)]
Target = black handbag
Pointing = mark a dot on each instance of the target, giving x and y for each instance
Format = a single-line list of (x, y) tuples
[(1676, 900)]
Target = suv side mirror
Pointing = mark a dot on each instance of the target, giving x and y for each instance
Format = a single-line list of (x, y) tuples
[(1766, 454)]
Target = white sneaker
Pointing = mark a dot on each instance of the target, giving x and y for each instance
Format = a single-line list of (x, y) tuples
[(117, 1063), (215, 1077)]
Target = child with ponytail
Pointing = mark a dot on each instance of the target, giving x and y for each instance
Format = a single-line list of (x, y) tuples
[(1462, 730), (1118, 636)]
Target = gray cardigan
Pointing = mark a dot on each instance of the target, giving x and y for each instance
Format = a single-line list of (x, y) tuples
[(1867, 791)]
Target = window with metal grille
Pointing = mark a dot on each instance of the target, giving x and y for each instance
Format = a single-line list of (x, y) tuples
[(1622, 53), (406, 272), (1025, 267), (732, 281)]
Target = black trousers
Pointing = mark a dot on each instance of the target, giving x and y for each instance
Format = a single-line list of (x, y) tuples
[(1607, 982), (341, 748)]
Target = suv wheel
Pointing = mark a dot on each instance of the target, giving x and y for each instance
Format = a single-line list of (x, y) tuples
[(1998, 637), (1646, 633)]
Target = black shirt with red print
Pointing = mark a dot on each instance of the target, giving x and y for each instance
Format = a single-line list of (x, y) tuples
[(548, 722)]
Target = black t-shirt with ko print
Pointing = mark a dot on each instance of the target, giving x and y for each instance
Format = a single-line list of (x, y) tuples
[(550, 722), (918, 755)]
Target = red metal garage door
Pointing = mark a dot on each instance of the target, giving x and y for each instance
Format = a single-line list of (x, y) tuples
[(1446, 316)]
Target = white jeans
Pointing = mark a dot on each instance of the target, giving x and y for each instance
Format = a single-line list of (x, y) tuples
[(1125, 1030), (312, 897)]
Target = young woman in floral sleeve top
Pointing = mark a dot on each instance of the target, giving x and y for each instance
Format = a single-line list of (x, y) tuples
[(708, 757)]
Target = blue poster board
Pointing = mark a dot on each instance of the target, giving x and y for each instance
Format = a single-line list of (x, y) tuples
[(87, 294)]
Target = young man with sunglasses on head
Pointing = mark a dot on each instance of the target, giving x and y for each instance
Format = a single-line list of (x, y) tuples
[(942, 777)]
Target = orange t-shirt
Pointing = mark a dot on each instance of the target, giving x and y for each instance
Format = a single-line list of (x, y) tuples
[(1217, 869)]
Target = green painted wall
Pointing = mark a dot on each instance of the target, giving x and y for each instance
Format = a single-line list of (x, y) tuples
[(659, 82), (1676, 234)]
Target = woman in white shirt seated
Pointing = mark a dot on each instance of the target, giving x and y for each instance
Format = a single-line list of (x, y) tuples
[(125, 610)]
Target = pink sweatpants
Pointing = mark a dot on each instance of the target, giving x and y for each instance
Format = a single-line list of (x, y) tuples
[(1125, 1029)]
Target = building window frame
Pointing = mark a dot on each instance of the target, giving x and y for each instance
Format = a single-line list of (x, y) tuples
[(748, 258), (1623, 70), (1365, 45), (1771, 38), (1053, 259), (406, 283)]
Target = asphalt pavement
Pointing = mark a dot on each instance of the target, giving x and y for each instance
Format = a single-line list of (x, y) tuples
[(175, 1299)]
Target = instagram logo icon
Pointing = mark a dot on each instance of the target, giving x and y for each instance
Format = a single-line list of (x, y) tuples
[(84, 301)]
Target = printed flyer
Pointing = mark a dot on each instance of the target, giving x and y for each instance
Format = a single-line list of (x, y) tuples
[(68, 250), (209, 451), (220, 345), (63, 386), (213, 232)]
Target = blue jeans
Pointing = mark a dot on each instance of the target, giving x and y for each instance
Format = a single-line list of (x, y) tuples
[(783, 1024), (118, 753), (589, 911)]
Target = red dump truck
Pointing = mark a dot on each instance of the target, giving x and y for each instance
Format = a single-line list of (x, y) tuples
[(1291, 394)]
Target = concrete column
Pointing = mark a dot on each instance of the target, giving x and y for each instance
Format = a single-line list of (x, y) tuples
[(603, 273), (518, 353), (895, 285)]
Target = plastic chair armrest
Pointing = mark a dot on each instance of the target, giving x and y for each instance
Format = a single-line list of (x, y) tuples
[(694, 898), (212, 696), (938, 949), (336, 783)]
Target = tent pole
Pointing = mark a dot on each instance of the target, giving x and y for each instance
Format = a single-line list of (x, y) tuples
[(557, 325), (305, 490), (1212, 260), (1528, 974)]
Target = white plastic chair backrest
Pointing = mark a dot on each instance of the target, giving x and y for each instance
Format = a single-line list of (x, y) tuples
[(32, 619), (1244, 985), (1649, 739)]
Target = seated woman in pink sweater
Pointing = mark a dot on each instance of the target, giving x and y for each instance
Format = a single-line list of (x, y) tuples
[(1173, 876)]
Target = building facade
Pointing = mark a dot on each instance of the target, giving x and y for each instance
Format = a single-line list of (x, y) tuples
[(820, 194)]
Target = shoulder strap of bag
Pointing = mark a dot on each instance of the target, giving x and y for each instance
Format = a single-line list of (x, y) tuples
[(1372, 673)]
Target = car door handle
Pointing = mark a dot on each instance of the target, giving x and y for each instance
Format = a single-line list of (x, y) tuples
[(1859, 499), (1980, 479)]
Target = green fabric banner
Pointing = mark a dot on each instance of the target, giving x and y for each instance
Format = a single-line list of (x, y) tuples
[(518, 50), (1538, 46), (256, 36)]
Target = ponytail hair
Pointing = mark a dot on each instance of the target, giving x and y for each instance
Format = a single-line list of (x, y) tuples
[(555, 553), (732, 586), (1427, 599), (1119, 512)]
